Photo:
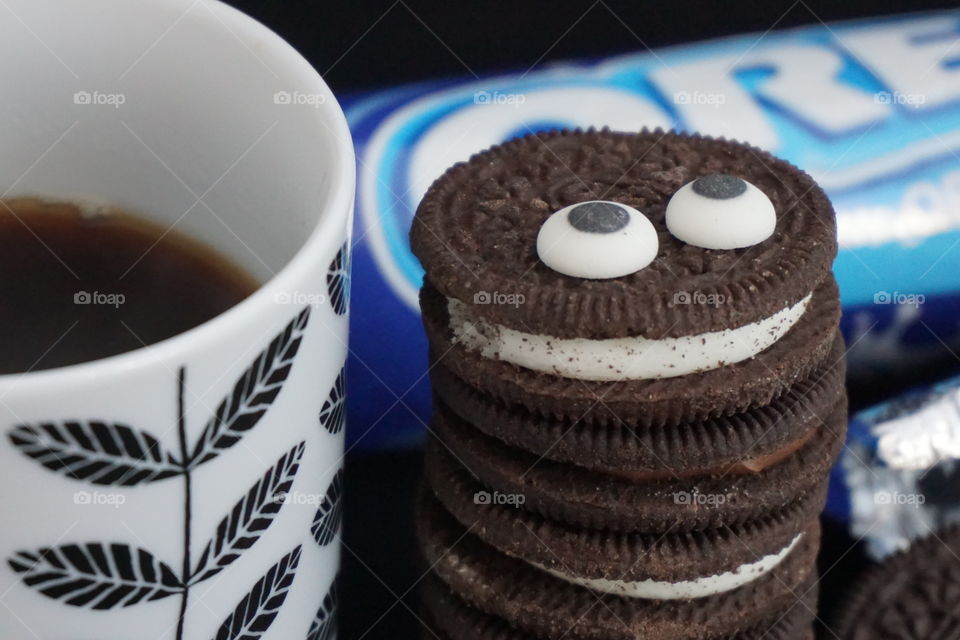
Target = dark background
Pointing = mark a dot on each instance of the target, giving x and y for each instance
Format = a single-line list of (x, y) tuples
[(365, 44), (359, 45)]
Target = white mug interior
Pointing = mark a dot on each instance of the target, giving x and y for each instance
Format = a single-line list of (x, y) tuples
[(188, 113)]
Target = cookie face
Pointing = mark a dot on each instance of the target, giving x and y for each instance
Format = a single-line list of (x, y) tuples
[(476, 233), (602, 257)]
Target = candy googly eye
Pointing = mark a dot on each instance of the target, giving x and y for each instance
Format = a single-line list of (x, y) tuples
[(720, 211), (597, 240)]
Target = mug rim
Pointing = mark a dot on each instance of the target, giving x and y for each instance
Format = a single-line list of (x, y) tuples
[(336, 209)]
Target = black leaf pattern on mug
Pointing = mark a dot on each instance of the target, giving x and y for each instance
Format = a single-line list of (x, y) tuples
[(95, 451), (338, 281), (250, 517), (96, 575), (104, 576), (326, 523), (252, 394), (333, 410), (324, 625), (257, 610)]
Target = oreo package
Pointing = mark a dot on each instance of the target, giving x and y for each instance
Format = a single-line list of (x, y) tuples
[(898, 479), (870, 109)]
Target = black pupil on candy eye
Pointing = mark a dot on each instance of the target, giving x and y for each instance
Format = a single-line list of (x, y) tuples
[(598, 217), (719, 186)]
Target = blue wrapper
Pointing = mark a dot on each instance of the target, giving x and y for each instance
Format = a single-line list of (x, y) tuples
[(896, 479), (870, 109)]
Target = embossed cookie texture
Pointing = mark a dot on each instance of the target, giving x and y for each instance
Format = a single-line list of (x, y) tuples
[(638, 389)]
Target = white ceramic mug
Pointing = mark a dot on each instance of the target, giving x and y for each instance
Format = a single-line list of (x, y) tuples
[(188, 490)]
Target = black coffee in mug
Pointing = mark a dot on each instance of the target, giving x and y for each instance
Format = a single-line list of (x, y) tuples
[(76, 287)]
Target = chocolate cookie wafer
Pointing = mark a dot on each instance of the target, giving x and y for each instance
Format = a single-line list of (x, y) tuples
[(671, 563), (632, 451), (528, 597), (913, 595), (725, 494), (450, 618), (646, 401)]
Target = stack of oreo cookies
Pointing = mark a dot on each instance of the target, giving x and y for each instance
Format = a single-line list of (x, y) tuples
[(638, 386)]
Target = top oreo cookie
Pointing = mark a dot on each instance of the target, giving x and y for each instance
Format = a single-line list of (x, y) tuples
[(744, 242)]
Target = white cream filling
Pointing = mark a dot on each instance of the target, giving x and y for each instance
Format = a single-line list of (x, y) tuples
[(685, 590), (632, 358)]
